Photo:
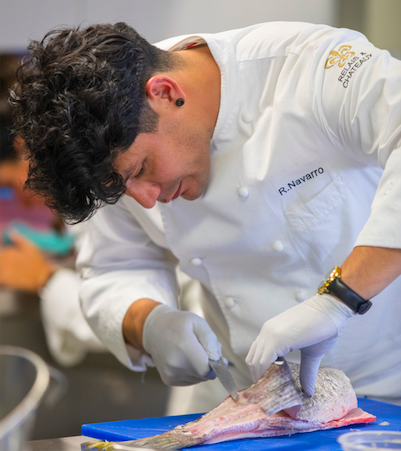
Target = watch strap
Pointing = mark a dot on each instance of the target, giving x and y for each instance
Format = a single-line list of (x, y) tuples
[(350, 298)]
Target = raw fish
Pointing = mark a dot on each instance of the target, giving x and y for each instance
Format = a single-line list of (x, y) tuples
[(333, 405)]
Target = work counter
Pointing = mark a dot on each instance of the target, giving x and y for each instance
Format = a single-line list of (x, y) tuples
[(58, 444)]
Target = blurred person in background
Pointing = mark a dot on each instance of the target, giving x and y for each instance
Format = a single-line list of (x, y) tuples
[(25, 267), (31, 265), (262, 158)]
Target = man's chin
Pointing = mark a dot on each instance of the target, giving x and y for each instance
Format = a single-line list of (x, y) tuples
[(187, 195)]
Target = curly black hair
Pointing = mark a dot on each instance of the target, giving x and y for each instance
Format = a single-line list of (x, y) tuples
[(80, 100)]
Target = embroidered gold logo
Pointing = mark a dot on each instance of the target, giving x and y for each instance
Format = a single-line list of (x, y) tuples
[(339, 57)]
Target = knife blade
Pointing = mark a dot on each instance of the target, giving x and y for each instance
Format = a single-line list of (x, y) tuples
[(224, 376)]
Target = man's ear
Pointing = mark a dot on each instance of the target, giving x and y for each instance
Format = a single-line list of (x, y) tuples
[(163, 92)]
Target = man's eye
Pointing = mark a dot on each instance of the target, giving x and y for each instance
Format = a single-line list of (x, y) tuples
[(142, 170)]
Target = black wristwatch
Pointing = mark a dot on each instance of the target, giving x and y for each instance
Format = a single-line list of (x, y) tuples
[(334, 285)]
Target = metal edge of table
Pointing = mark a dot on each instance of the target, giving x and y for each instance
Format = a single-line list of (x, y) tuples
[(59, 444)]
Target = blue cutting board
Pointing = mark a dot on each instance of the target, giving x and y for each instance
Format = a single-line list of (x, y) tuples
[(308, 441)]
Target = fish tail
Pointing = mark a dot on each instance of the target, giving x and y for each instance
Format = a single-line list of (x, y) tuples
[(171, 440), (97, 446)]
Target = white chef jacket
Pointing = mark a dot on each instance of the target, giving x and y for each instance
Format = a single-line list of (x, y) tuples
[(305, 164), (68, 335)]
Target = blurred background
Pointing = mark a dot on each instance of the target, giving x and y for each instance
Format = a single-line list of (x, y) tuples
[(100, 388), (21, 20)]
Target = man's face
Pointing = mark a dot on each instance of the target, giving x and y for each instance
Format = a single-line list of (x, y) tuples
[(162, 166)]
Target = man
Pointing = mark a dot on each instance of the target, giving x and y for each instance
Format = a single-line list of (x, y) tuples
[(253, 156)]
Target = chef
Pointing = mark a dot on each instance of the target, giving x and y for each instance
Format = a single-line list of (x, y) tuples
[(259, 159)]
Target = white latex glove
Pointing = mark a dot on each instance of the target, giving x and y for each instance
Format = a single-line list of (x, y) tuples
[(313, 327), (180, 344)]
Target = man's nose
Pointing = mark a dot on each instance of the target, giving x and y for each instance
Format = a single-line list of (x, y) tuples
[(145, 193)]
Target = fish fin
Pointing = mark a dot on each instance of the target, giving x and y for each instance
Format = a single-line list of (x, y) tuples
[(275, 390)]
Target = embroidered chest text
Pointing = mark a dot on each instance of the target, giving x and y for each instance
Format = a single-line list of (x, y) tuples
[(300, 180)]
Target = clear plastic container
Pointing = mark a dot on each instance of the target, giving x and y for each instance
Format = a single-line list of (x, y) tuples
[(370, 440)]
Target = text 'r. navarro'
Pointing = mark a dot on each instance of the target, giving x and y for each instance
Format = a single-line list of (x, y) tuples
[(301, 180)]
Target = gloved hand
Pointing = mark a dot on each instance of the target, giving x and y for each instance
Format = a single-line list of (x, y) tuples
[(180, 344), (313, 327)]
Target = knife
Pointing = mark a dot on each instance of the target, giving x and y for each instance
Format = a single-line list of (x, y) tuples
[(224, 375)]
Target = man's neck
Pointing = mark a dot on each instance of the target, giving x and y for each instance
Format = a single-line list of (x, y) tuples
[(202, 75)]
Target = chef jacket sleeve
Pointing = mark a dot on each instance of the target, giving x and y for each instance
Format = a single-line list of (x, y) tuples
[(119, 264), (68, 335), (359, 106)]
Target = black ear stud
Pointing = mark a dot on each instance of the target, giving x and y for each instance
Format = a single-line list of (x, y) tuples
[(179, 102)]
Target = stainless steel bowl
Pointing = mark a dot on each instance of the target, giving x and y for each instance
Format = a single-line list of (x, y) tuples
[(24, 380)]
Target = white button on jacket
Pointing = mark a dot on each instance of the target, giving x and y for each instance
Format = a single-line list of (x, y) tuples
[(243, 192), (300, 295), (229, 302), (278, 246), (313, 159), (246, 117)]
